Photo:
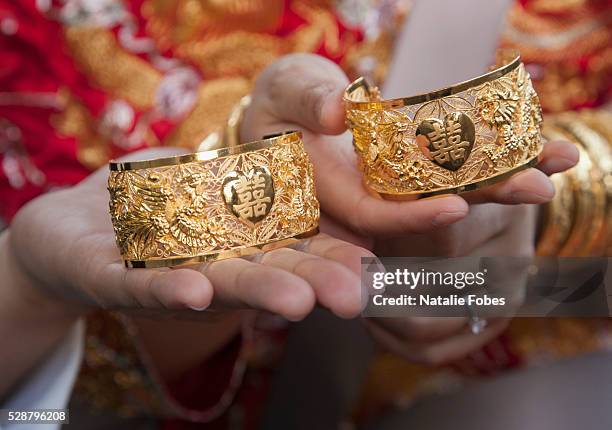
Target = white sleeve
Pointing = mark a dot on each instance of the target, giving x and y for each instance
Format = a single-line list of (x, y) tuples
[(49, 386)]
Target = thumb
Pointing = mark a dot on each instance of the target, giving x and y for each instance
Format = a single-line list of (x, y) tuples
[(299, 89)]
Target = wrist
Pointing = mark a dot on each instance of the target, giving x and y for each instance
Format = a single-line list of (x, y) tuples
[(22, 297), (170, 346), (31, 324)]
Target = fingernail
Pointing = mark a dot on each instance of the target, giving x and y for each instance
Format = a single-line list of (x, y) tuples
[(197, 309), (331, 113), (561, 164), (446, 218)]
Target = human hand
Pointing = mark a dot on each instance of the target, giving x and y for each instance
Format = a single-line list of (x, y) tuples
[(305, 92), (64, 244)]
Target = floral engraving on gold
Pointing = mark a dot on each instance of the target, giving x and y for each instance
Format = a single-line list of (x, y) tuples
[(448, 143), (452, 142), (249, 195), (182, 210)]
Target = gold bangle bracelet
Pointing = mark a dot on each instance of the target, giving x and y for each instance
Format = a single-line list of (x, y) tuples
[(601, 121), (452, 140), (213, 205), (558, 217), (584, 184), (599, 154), (589, 212)]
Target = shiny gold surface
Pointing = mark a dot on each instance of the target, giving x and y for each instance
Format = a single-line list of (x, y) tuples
[(203, 207), (448, 143), (206, 155), (452, 140), (360, 86), (578, 222), (558, 215), (593, 189)]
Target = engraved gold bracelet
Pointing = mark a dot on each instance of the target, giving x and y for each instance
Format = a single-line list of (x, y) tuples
[(448, 141), (212, 205)]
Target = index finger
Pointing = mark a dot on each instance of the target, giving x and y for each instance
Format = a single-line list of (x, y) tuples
[(347, 200), (305, 92)]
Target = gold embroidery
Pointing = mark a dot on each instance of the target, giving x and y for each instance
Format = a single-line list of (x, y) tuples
[(225, 39), (556, 6), (215, 101), (321, 29), (236, 54), (76, 121), (173, 23), (571, 52), (123, 75)]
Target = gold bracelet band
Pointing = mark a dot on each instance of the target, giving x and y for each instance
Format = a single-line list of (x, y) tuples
[(213, 205), (558, 215), (600, 121), (448, 141), (593, 193), (579, 219)]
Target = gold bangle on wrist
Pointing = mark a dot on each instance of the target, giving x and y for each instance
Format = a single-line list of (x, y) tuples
[(558, 218), (596, 192), (558, 215), (600, 121), (589, 208), (212, 205), (448, 141), (577, 221)]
